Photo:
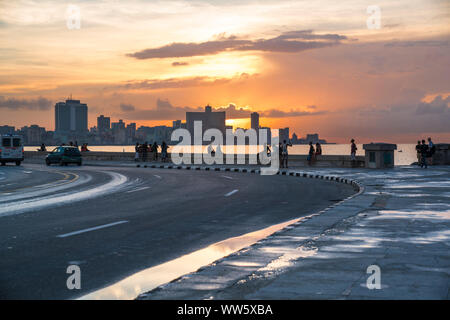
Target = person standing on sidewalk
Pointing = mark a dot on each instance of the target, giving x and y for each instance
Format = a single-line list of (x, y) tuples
[(353, 149), (423, 154), (310, 153), (419, 154)]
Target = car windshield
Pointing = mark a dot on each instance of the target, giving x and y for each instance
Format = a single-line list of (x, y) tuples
[(72, 151)]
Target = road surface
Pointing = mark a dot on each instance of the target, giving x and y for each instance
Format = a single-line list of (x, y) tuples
[(115, 221)]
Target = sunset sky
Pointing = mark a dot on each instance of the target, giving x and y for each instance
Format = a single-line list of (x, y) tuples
[(313, 66)]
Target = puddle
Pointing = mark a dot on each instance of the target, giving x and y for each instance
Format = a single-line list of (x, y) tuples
[(148, 279)]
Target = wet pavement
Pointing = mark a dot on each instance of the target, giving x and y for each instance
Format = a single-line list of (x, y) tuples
[(399, 224)]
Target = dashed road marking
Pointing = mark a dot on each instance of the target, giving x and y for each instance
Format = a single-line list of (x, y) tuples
[(65, 235), (231, 192)]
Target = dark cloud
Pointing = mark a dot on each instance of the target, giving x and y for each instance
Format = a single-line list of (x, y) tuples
[(127, 107), (166, 111), (29, 104), (155, 84), (179, 64), (275, 113), (292, 41), (439, 105), (419, 43)]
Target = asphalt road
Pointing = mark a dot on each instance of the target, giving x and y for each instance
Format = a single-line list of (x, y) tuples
[(113, 222)]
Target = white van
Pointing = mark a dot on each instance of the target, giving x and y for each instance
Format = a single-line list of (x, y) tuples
[(11, 149)]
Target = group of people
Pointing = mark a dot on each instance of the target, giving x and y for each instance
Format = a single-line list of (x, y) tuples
[(143, 151), (84, 146), (425, 152)]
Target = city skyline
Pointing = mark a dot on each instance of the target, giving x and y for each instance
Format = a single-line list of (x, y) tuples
[(298, 64)]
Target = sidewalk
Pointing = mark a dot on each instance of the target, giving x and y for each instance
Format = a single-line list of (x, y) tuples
[(400, 223)]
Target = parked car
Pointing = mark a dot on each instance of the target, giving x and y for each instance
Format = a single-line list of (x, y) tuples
[(11, 149), (64, 155)]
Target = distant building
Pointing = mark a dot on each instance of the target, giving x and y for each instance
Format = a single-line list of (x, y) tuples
[(284, 134), (209, 119), (33, 135), (311, 137), (103, 123), (71, 117), (7, 129), (254, 120), (118, 125)]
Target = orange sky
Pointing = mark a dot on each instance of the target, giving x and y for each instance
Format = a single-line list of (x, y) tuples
[(313, 66)]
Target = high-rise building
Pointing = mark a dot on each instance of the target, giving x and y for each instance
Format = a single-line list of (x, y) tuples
[(254, 120), (103, 123), (209, 119), (284, 134), (71, 116)]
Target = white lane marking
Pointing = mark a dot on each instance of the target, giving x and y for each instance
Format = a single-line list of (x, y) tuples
[(159, 177), (26, 171), (231, 192), (228, 177), (90, 229), (138, 189)]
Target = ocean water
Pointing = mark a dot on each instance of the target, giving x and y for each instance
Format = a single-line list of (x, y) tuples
[(404, 155)]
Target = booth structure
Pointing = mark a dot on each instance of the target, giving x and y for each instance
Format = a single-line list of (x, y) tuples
[(379, 155), (442, 154)]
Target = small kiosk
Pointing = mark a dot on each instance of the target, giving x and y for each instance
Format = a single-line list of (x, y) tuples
[(379, 155)]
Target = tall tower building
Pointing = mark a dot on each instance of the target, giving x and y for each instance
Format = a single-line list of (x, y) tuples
[(71, 116), (254, 120), (103, 123)]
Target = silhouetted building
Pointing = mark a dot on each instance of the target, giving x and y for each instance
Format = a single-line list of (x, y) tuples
[(284, 134), (209, 119), (254, 120), (71, 116), (103, 123)]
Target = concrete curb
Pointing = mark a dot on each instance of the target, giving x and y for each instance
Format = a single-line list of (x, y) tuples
[(293, 173)]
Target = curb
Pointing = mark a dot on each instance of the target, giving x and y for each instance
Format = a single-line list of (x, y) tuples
[(354, 183)]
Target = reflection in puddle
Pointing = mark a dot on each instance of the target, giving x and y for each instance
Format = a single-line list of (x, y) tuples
[(146, 280)]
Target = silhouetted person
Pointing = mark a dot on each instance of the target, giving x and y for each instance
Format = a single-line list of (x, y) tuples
[(310, 153), (353, 149), (155, 151), (318, 149), (285, 153), (164, 148), (418, 148), (144, 151), (43, 148), (431, 151), (136, 152), (423, 154)]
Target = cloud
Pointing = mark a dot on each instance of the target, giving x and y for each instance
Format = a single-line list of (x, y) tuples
[(29, 104), (439, 105), (127, 107), (292, 41), (166, 111), (275, 113), (155, 84), (179, 64)]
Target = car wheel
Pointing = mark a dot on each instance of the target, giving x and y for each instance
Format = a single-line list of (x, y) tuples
[(17, 163), (61, 163), (3, 163), (47, 162)]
